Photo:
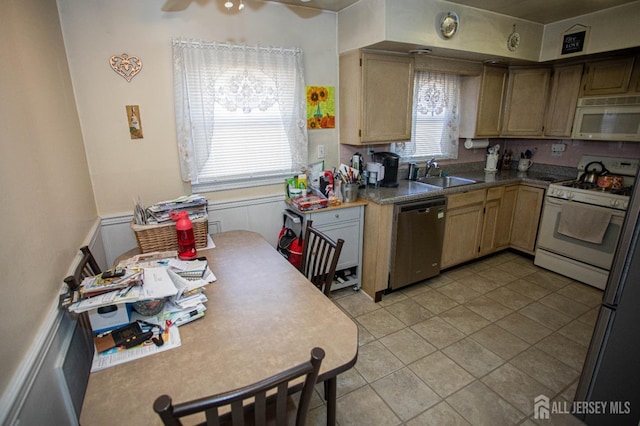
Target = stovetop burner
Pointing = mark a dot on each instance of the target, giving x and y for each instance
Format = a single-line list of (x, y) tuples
[(588, 186), (577, 190), (580, 184)]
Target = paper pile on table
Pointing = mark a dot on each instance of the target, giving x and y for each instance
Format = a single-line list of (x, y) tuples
[(159, 276)]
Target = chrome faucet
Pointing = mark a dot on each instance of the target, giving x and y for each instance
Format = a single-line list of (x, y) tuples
[(431, 164)]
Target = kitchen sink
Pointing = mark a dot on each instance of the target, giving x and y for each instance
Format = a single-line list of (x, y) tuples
[(446, 181), (417, 187)]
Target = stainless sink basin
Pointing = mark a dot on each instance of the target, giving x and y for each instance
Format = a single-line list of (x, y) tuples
[(446, 181), (417, 187)]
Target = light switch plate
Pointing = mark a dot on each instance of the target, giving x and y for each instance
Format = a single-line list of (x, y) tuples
[(320, 151)]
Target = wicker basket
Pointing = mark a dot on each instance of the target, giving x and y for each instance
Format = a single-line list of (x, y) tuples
[(163, 237)]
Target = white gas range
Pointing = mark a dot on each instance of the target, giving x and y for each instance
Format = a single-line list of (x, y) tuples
[(581, 222)]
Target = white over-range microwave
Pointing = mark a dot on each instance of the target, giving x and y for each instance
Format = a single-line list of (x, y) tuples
[(614, 118)]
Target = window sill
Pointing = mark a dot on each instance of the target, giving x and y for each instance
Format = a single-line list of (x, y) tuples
[(238, 184)]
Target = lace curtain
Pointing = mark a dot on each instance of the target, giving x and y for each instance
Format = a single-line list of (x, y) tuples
[(213, 80), (436, 118)]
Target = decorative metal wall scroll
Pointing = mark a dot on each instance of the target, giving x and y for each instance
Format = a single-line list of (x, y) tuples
[(126, 66)]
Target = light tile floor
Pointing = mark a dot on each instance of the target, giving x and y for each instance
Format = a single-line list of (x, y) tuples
[(474, 345)]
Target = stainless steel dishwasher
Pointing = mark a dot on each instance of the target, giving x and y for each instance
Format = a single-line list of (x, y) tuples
[(417, 248)]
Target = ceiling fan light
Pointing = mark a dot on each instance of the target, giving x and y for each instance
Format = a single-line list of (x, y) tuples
[(228, 4), (241, 5)]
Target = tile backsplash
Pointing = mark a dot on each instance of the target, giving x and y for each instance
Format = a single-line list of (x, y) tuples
[(569, 158)]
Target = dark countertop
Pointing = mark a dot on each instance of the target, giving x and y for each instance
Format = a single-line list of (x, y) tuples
[(408, 191)]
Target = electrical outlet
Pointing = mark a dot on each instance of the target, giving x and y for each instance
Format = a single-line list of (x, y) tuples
[(320, 151), (557, 149)]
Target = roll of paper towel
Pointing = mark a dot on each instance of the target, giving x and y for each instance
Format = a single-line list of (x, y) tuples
[(476, 143)]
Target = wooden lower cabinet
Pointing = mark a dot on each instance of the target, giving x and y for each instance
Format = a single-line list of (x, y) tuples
[(483, 222), (498, 215), (478, 223), (376, 249), (505, 217), (526, 218), (463, 227)]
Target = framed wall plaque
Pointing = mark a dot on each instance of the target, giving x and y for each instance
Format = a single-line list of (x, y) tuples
[(574, 40)]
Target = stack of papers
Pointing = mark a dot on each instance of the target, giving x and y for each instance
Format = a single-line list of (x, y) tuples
[(191, 270), (195, 205), (188, 303), (117, 355), (157, 278), (93, 286), (160, 275)]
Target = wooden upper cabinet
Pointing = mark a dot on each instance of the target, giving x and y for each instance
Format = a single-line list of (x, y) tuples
[(376, 97), (526, 101), (608, 77), (561, 110), (481, 106)]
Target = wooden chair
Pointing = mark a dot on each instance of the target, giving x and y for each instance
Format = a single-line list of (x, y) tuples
[(87, 267), (320, 256), (250, 403), (77, 363)]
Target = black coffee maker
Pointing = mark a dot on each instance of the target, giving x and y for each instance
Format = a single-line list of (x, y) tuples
[(391, 163)]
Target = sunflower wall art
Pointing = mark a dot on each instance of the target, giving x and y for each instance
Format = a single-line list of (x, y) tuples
[(321, 112)]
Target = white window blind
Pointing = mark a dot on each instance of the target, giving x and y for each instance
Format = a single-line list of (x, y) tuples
[(435, 127), (240, 114)]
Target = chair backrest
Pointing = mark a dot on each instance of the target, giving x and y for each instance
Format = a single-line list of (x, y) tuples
[(251, 401), (87, 267), (78, 366), (320, 255)]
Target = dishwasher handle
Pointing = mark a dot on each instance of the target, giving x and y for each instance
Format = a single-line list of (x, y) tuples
[(423, 206)]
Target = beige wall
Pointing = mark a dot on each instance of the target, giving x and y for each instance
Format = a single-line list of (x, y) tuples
[(413, 23), (94, 30), (47, 203), (611, 29), (416, 22)]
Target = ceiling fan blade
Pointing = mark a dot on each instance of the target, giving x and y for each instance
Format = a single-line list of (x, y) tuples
[(175, 5)]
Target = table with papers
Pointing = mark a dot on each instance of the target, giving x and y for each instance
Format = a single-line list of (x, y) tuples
[(156, 277), (263, 317)]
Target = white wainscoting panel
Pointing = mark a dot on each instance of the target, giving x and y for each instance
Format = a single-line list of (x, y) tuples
[(43, 391), (262, 215)]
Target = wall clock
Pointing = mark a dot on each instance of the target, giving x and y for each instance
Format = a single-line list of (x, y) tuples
[(449, 25)]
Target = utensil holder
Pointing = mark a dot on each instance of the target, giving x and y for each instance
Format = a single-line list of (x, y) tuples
[(350, 192)]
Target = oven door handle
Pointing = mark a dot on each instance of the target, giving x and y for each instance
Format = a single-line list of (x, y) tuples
[(559, 202), (556, 201)]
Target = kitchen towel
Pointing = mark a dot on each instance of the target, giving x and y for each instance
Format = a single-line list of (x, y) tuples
[(586, 223)]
